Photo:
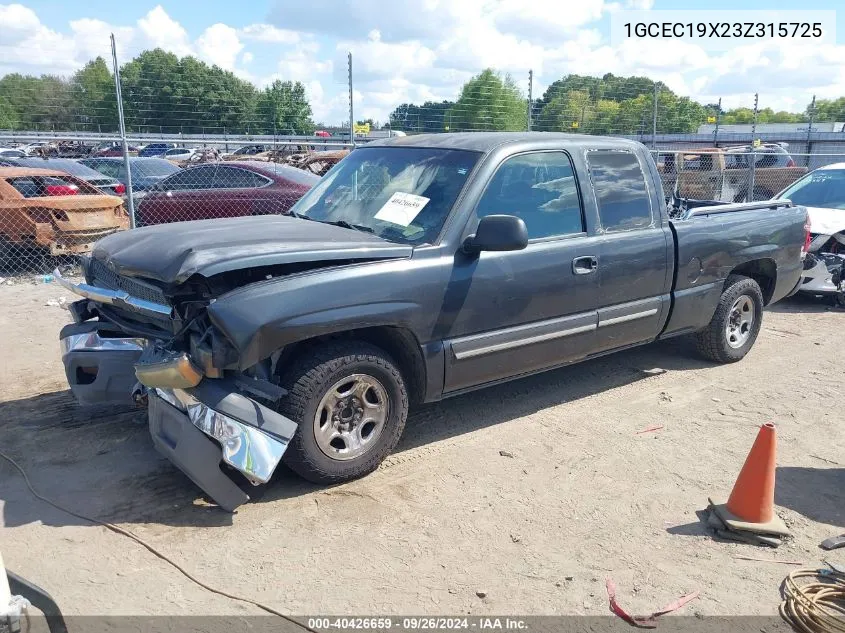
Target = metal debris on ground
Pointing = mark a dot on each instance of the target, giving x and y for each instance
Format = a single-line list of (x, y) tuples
[(506, 454), (649, 430), (654, 371), (644, 621), (834, 542), (61, 302), (770, 560)]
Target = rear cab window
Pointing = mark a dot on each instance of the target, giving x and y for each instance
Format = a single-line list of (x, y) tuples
[(621, 191)]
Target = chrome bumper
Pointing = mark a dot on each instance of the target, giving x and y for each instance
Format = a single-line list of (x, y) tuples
[(249, 450), (93, 342), (114, 297)]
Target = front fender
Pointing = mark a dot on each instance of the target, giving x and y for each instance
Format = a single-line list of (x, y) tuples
[(262, 318)]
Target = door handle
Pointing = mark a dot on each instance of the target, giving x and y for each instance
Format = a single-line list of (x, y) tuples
[(585, 264)]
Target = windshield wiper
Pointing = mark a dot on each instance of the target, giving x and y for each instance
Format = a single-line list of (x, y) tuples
[(341, 223), (299, 216), (349, 225)]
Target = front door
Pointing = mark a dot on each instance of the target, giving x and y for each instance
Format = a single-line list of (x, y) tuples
[(511, 313)]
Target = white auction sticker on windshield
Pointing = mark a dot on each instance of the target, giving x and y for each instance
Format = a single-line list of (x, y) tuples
[(401, 208)]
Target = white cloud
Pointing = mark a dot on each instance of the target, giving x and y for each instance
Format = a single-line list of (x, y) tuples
[(269, 33), (417, 50), (19, 22), (162, 31), (220, 45)]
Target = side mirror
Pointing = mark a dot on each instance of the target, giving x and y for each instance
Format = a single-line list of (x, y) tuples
[(497, 233)]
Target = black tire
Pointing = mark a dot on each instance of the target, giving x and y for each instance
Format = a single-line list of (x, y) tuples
[(309, 379), (712, 341)]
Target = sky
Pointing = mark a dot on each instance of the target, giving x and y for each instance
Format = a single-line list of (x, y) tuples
[(418, 50)]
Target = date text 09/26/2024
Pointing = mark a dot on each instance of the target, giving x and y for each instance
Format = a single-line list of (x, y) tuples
[(418, 623)]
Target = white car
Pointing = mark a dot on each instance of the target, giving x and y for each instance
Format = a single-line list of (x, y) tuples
[(31, 147), (179, 153), (822, 191)]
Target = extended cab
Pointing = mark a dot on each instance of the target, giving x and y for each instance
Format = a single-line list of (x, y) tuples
[(417, 268)]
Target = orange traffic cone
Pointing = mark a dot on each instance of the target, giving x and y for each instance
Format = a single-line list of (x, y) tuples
[(750, 508)]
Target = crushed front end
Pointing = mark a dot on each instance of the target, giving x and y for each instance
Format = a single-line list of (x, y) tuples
[(824, 268), (137, 340)]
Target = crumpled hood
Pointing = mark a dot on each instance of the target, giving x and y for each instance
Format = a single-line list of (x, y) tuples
[(826, 221), (171, 253)]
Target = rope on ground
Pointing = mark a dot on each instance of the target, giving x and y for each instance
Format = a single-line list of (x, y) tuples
[(817, 606), (123, 532)]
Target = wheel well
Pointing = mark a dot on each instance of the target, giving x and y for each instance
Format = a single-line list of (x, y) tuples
[(764, 272), (399, 342)]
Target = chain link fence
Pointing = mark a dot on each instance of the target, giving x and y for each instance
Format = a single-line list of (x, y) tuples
[(160, 138)]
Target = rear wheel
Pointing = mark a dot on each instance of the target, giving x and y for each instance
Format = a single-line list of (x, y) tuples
[(350, 402), (736, 323)]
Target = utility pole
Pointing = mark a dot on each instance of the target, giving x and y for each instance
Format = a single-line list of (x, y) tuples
[(654, 120), (530, 96), (130, 199), (351, 117), (810, 129), (751, 177), (718, 120)]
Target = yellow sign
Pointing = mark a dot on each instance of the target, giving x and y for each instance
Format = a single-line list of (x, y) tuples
[(574, 124), (711, 119), (756, 142), (362, 128)]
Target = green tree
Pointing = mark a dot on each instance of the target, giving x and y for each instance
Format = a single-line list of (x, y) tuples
[(93, 96), (488, 102), (283, 108), (829, 110), (8, 116)]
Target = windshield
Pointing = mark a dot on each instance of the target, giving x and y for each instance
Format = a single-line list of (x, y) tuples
[(402, 194), (824, 188)]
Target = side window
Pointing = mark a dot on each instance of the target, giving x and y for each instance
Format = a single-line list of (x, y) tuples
[(621, 191), (108, 168), (540, 188), (194, 178), (234, 178)]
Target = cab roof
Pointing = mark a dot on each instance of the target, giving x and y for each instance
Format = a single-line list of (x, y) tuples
[(488, 141)]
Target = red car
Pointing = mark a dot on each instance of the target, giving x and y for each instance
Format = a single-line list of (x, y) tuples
[(223, 190)]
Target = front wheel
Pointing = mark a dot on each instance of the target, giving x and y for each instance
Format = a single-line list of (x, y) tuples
[(731, 333), (350, 403)]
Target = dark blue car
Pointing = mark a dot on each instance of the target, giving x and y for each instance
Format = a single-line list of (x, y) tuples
[(156, 149)]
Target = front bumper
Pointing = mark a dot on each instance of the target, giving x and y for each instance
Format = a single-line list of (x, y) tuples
[(195, 436), (823, 274), (195, 428), (99, 362)]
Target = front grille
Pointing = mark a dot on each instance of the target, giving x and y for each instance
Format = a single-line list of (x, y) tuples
[(102, 277)]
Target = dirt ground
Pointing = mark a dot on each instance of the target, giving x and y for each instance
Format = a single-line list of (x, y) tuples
[(579, 495)]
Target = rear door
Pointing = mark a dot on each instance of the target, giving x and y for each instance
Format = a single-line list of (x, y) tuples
[(634, 255), (239, 192), (521, 311), (180, 197)]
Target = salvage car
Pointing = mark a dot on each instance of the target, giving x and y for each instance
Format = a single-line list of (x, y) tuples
[(416, 269), (223, 190), (823, 193), (54, 211), (103, 182), (146, 172), (714, 173)]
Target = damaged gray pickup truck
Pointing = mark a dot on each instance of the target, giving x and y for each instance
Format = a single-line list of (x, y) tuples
[(417, 268)]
